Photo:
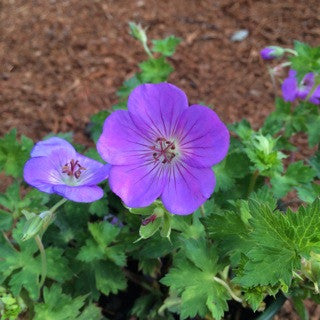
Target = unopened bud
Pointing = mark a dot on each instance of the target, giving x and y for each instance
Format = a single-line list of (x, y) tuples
[(138, 32), (271, 52), (32, 227)]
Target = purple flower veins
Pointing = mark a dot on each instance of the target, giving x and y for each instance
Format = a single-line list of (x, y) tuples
[(163, 148), (55, 167)]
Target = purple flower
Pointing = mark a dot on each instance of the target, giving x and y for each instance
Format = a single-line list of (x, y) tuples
[(55, 167), (163, 148), (271, 52), (292, 90)]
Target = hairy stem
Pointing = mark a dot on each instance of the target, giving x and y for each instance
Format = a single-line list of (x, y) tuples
[(8, 241), (43, 260), (224, 284), (291, 51), (57, 205), (52, 211), (202, 211), (253, 181), (147, 50)]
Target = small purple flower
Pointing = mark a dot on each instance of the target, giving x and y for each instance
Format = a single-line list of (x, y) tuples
[(55, 167), (271, 52), (292, 90), (163, 148)]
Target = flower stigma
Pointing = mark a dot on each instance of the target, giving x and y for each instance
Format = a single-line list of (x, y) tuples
[(164, 150), (73, 168)]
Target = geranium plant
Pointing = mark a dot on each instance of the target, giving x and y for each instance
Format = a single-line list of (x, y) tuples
[(192, 217)]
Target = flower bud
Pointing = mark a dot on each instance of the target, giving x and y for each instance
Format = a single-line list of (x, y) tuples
[(271, 52), (138, 32), (32, 227)]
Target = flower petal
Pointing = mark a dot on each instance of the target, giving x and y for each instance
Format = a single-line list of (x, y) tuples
[(79, 193), (306, 85), (46, 147), (94, 173), (41, 173), (315, 97), (187, 189), (204, 138), (290, 87), (156, 108), (121, 142), (137, 185)]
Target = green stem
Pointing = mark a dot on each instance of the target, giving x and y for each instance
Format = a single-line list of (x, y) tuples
[(147, 50), (52, 211), (253, 181), (224, 284), (202, 211), (294, 52), (9, 242), (43, 260), (273, 308), (40, 244), (139, 280), (57, 205)]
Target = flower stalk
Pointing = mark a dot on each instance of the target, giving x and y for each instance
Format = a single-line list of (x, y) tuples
[(253, 181), (225, 285), (43, 260)]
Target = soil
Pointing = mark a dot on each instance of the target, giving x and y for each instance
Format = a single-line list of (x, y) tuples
[(62, 60)]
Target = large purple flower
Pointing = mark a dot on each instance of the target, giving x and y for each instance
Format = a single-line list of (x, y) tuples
[(292, 90), (161, 147), (55, 167)]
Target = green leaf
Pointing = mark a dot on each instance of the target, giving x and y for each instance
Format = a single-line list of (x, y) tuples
[(315, 163), (192, 277), (235, 166), (155, 70), (279, 240), (231, 233), (109, 277), (103, 233), (146, 307), (96, 124), (23, 267), (5, 220), (93, 154), (279, 118), (59, 306), (10, 306), (308, 192), (14, 154), (166, 46), (127, 87), (300, 308), (12, 201), (100, 207), (307, 60), (297, 174), (92, 312), (262, 151), (313, 130)]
